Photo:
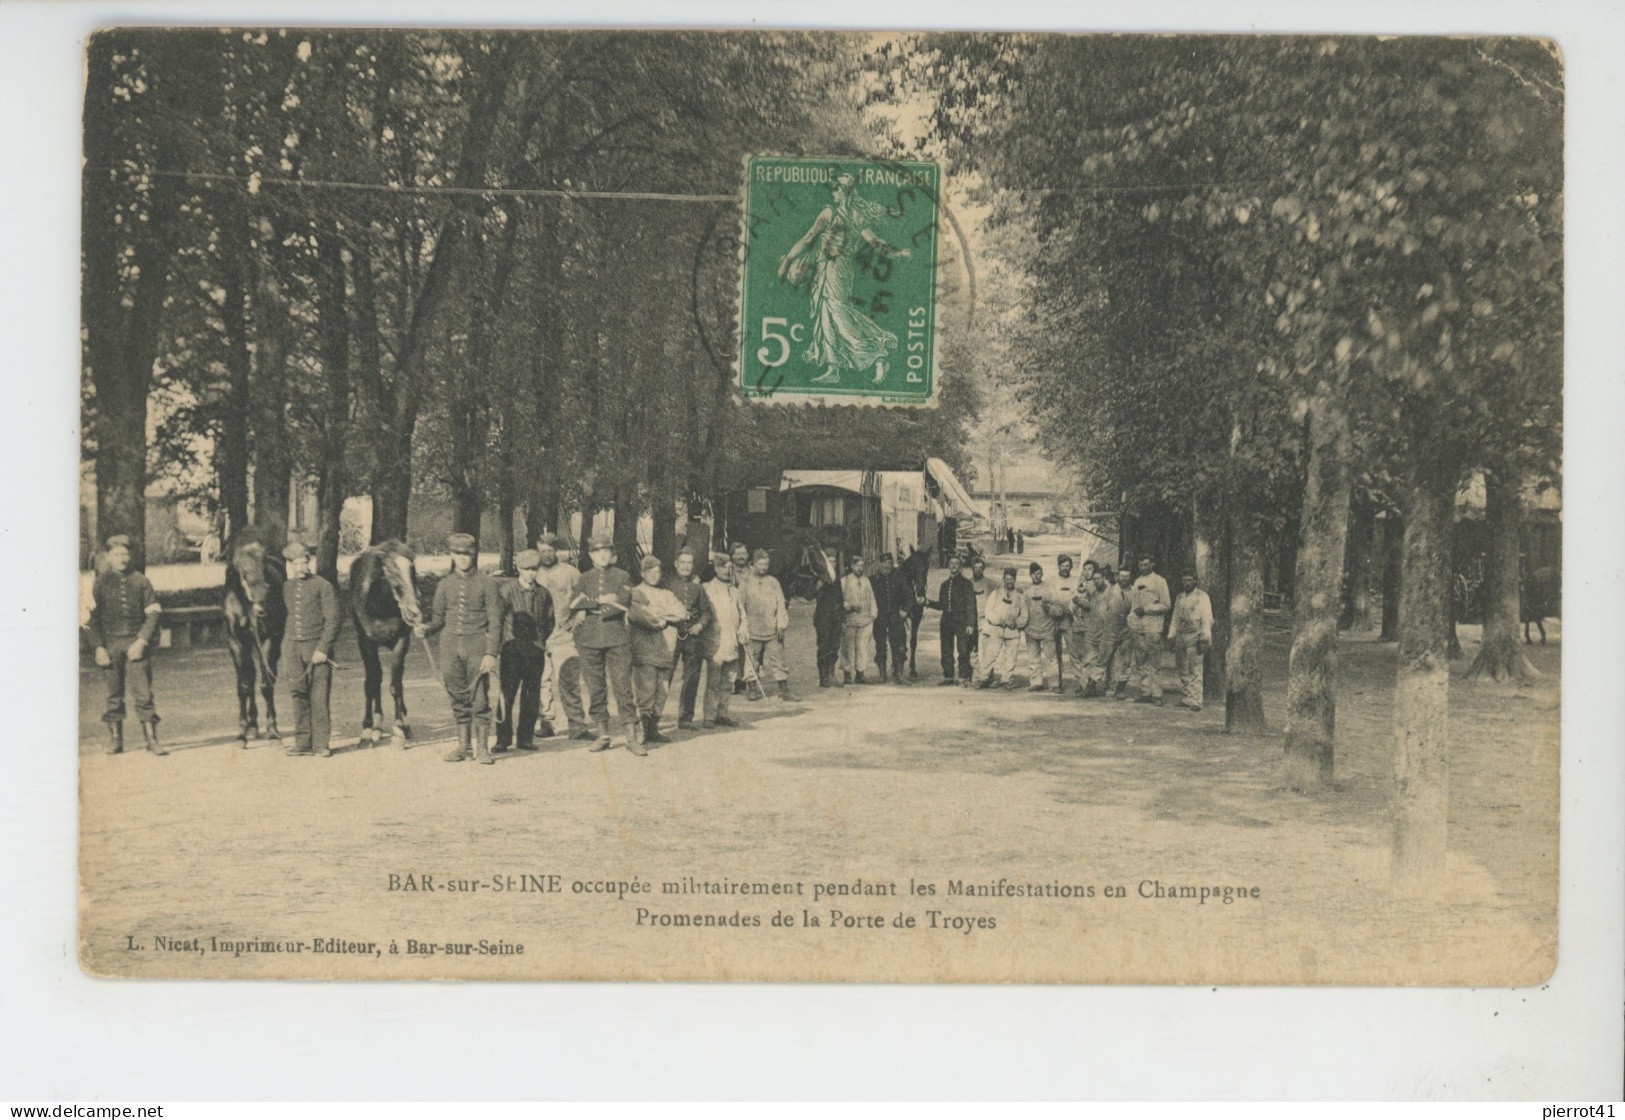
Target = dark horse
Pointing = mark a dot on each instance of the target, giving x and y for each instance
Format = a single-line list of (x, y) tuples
[(254, 618), (915, 569), (384, 605)]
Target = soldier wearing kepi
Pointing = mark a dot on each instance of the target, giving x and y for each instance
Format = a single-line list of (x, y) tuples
[(1191, 632), (893, 597), (690, 592), (123, 621), (561, 686), (527, 623), (468, 607), (1146, 618), (307, 650), (603, 643)]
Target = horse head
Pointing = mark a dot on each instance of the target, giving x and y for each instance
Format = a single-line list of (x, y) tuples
[(397, 560), (249, 562)]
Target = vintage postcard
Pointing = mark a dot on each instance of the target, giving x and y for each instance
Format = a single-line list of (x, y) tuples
[(607, 505)]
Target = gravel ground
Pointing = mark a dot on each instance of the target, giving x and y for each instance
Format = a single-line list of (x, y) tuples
[(881, 788)]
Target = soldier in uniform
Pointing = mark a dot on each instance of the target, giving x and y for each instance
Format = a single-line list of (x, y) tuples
[(654, 618), (527, 624), (894, 596), (1004, 620), (1098, 639), (1191, 632), (123, 621), (767, 616), (603, 642), (690, 652), (468, 607), (1041, 631), (1118, 602), (983, 586), (1146, 617), (561, 685), (1059, 604), (307, 650), (829, 621), (725, 636), (858, 601), (956, 599)]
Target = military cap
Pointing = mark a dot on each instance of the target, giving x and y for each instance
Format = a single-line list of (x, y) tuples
[(529, 558), (1035, 566), (1009, 569), (689, 552), (760, 554), (649, 561), (884, 556), (460, 542), (118, 540), (719, 558), (547, 540), (295, 550), (601, 540), (1063, 558)]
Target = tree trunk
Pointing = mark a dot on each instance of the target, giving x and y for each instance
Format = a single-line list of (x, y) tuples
[(1311, 720), (1502, 655), (392, 486), (120, 343), (1212, 540), (231, 452), (1244, 663), (1422, 688), (663, 516), (626, 527), (1393, 533), (273, 466), (506, 505), (333, 477), (1357, 596)]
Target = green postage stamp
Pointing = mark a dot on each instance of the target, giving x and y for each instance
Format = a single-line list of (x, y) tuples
[(838, 280)]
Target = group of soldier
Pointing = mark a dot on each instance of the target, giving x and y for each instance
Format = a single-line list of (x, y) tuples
[(560, 643), (1104, 629)]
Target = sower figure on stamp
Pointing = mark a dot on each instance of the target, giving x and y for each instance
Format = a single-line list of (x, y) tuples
[(1005, 623), (956, 599), (768, 617), (1191, 632), (1146, 618), (725, 636), (603, 643), (527, 623), (307, 650), (654, 616), (894, 597), (690, 654), (468, 609), (123, 621), (829, 621), (858, 603), (561, 685)]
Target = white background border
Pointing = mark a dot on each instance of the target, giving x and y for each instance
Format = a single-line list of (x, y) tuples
[(66, 1037)]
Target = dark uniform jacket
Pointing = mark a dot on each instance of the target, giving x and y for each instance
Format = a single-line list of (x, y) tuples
[(123, 608), (691, 593), (893, 594), (829, 609), (958, 603), (467, 606), (602, 626), (313, 612), (535, 601)]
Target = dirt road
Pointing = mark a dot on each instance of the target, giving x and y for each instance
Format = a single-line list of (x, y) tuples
[(1023, 815)]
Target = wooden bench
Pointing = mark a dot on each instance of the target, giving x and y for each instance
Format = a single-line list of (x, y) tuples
[(185, 627)]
